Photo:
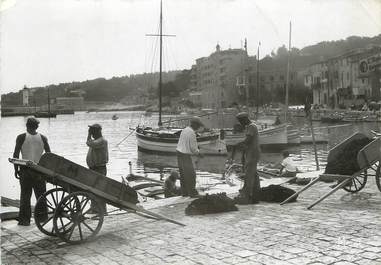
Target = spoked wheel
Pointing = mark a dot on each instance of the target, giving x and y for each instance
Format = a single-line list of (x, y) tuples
[(378, 176), (45, 208), (78, 218), (357, 183)]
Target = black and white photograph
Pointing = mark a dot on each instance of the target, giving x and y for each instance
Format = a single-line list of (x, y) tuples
[(190, 132)]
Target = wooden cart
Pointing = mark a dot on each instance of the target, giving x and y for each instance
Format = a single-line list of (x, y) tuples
[(72, 210), (368, 159)]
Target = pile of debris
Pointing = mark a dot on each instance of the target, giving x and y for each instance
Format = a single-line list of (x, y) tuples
[(276, 193), (346, 162), (214, 203)]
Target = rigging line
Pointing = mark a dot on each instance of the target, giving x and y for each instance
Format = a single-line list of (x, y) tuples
[(167, 62), (169, 50), (155, 50), (173, 56)]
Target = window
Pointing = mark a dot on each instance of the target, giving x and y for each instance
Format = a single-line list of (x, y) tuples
[(347, 75), (271, 78), (281, 78)]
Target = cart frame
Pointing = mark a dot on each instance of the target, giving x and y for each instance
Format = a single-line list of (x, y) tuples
[(71, 198), (368, 158)]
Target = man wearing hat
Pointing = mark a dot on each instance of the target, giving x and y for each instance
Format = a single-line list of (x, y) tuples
[(251, 188), (31, 145), (97, 155), (186, 147)]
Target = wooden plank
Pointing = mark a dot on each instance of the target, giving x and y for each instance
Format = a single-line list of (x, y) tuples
[(133, 177), (341, 185), (301, 190), (10, 202), (115, 201)]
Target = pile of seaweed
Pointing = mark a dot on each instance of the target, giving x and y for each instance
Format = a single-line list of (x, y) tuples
[(214, 203), (276, 193), (346, 162)]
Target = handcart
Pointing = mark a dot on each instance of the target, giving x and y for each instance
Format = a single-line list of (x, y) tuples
[(368, 159), (72, 210)]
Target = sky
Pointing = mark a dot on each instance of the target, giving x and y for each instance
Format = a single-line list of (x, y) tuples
[(54, 41)]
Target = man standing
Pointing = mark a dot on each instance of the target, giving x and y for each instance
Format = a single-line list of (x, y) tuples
[(97, 156), (31, 145), (186, 147), (251, 188)]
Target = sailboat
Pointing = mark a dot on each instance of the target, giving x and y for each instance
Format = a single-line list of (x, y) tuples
[(164, 139), (46, 114)]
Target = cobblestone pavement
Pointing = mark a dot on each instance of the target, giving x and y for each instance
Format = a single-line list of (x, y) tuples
[(344, 229)]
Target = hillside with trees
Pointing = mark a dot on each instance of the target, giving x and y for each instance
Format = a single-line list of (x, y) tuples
[(301, 58), (116, 89), (176, 83)]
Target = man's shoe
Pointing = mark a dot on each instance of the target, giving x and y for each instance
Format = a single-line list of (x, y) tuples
[(196, 196), (242, 200), (23, 223)]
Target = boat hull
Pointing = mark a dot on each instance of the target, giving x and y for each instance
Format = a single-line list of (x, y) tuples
[(293, 138), (319, 138), (209, 145), (271, 137)]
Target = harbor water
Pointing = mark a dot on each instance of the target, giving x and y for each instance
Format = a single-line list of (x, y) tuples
[(67, 137)]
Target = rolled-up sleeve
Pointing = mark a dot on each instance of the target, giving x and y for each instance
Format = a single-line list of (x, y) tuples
[(98, 143)]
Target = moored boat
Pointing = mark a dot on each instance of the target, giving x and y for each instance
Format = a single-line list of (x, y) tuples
[(319, 138), (332, 118), (293, 137), (164, 140), (45, 114), (275, 136)]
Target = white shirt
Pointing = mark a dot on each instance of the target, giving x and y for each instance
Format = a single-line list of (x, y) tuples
[(33, 147), (289, 165), (188, 142)]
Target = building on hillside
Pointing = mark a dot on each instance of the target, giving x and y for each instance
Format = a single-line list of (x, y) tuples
[(69, 103), (272, 84), (217, 77), (349, 79)]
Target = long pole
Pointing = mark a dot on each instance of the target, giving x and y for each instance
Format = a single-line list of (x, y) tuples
[(288, 75), (161, 59), (257, 94), (48, 100)]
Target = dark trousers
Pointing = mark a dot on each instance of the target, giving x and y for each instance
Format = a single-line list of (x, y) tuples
[(251, 187), (29, 182), (187, 175), (101, 170)]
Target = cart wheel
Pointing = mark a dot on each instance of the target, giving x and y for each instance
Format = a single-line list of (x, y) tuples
[(78, 218), (44, 210), (378, 176), (357, 183)]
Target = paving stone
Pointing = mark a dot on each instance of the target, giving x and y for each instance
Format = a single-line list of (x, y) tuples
[(336, 231), (244, 253)]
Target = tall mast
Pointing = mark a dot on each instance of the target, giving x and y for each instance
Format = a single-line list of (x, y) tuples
[(257, 96), (161, 59), (288, 74), (245, 79), (161, 35), (48, 100)]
